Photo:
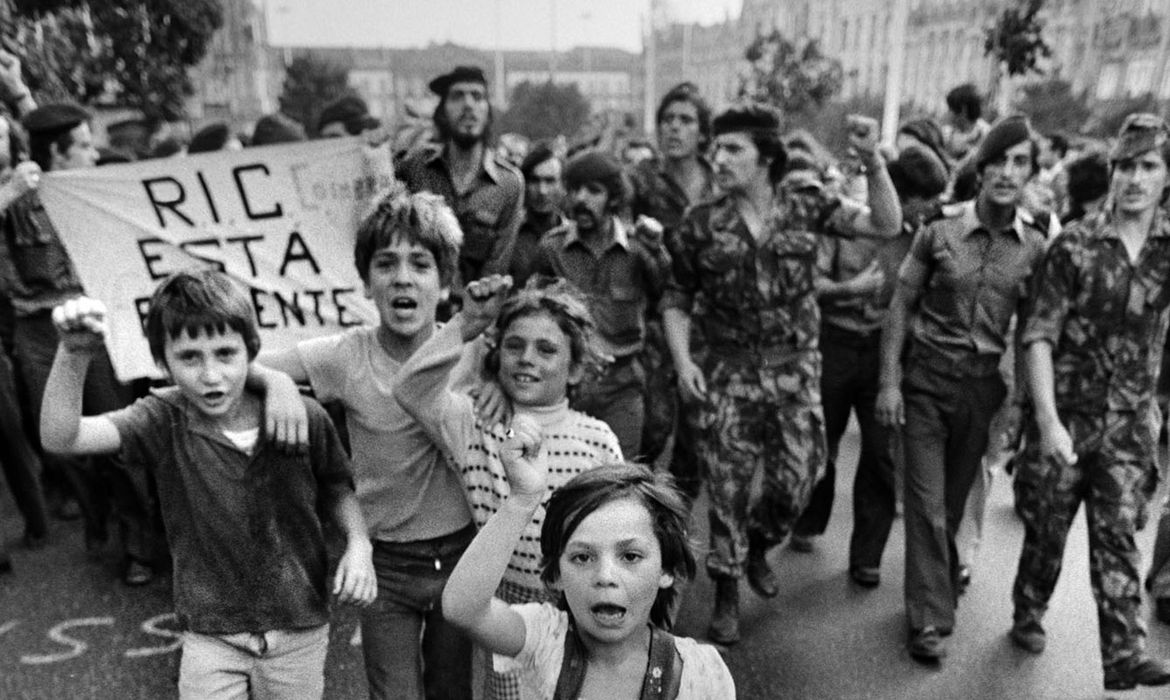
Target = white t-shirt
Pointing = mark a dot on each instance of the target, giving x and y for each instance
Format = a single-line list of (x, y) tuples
[(704, 675)]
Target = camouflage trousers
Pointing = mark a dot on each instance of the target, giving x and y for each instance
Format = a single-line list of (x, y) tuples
[(1115, 476), (762, 440)]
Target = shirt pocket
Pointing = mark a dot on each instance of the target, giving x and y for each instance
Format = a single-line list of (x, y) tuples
[(791, 264)]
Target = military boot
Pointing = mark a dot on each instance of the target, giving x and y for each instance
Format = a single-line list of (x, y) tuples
[(724, 627)]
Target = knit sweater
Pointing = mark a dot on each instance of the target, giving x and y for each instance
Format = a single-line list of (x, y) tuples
[(572, 441)]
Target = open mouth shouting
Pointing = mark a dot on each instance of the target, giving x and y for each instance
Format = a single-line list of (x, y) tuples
[(608, 614)]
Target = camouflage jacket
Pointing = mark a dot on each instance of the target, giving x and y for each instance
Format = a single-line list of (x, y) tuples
[(1105, 317), (757, 296)]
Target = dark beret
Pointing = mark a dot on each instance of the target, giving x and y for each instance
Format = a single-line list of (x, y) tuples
[(277, 128), (1007, 132), (461, 74), (57, 117), (345, 109), (1140, 132), (750, 117), (918, 171), (592, 166)]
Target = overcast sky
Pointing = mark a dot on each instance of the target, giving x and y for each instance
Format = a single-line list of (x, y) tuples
[(523, 24)]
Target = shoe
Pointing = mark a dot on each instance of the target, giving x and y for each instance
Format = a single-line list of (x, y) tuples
[(1029, 635), (1162, 609), (866, 576), (33, 541), (1135, 671), (760, 575), (67, 510), (926, 645), (802, 543), (724, 627), (137, 574), (964, 578)]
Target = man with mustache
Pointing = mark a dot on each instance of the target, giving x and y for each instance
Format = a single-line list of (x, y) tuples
[(623, 269), (966, 275), (1094, 344), (485, 191)]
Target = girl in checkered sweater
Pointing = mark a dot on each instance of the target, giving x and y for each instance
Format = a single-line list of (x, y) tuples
[(544, 345)]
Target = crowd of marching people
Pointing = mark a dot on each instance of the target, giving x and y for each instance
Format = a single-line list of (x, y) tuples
[(572, 346)]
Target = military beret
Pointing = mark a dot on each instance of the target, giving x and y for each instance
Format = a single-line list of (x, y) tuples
[(212, 137), (1007, 132), (918, 171), (461, 74), (1140, 132), (749, 117), (59, 116)]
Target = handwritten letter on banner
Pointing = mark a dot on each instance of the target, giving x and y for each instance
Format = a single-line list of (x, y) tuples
[(279, 219)]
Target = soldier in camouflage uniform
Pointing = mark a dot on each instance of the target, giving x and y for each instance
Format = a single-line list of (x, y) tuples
[(748, 258), (1094, 343), (662, 191), (967, 273)]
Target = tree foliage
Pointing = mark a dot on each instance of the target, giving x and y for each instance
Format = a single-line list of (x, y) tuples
[(311, 82), (545, 110), (135, 53), (1015, 39), (796, 77), (1052, 106)]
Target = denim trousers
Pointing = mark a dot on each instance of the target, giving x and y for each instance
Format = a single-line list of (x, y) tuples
[(410, 651), (285, 664)]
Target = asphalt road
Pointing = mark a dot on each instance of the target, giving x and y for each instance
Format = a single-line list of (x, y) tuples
[(69, 629)]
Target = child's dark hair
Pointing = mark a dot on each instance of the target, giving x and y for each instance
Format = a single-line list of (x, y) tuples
[(199, 301), (566, 305), (421, 218), (585, 493)]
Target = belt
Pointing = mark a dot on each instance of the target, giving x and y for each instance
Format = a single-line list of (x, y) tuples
[(957, 365)]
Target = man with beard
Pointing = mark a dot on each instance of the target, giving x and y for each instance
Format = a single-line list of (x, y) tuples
[(663, 190), (544, 191), (744, 269), (1094, 343), (484, 191), (623, 270), (966, 275)]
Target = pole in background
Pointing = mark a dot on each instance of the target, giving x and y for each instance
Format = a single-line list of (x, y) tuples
[(896, 66)]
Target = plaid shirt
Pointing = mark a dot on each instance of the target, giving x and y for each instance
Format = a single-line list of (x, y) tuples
[(1105, 316), (489, 212)]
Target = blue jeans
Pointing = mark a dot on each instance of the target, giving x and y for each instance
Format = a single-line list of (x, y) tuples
[(265, 665), (411, 652)]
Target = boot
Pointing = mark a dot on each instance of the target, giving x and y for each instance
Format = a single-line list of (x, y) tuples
[(759, 573), (724, 627)]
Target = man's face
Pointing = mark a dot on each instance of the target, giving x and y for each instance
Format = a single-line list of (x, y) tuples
[(1004, 178), (1138, 183), (588, 202), (466, 108), (737, 163), (544, 190), (80, 154), (678, 131)]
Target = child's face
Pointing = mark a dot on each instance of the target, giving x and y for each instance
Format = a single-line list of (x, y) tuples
[(611, 571), (210, 370), (404, 284), (536, 361)]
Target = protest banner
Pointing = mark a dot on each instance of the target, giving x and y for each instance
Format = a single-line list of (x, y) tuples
[(280, 220)]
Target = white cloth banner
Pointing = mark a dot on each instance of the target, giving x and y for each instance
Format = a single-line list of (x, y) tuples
[(279, 219)]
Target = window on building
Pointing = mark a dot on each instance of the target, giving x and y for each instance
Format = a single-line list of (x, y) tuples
[(1139, 76), (1107, 81)]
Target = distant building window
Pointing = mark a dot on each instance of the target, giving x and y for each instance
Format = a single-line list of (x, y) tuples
[(1107, 81), (1139, 76)]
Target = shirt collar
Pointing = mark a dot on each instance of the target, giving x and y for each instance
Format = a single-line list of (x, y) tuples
[(971, 223), (490, 167), (1160, 226), (620, 236)]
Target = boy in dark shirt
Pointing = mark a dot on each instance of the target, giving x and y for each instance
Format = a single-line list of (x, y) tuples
[(250, 566)]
